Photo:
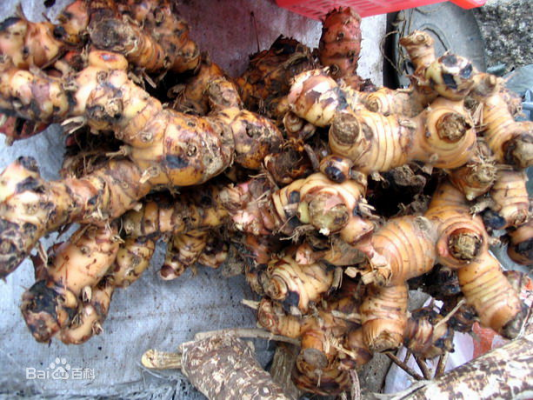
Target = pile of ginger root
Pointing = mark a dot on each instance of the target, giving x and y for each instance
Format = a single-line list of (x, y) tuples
[(333, 197)]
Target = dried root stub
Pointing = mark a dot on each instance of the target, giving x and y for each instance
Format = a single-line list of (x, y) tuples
[(426, 336), (290, 164), (442, 284), (464, 317), (266, 82), (332, 208)]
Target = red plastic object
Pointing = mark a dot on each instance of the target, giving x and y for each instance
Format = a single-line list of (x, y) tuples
[(317, 9)]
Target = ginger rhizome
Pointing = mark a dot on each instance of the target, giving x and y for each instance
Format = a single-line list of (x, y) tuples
[(411, 101), (510, 141), (407, 246), (164, 146), (332, 339), (149, 34), (441, 135), (72, 271), (183, 251), (154, 38), (492, 296), (28, 43), (76, 280), (316, 201), (508, 202), (463, 244), (295, 285), (330, 344), (340, 45), (191, 96), (31, 206)]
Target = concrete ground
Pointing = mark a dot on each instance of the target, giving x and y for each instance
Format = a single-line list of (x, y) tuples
[(506, 28)]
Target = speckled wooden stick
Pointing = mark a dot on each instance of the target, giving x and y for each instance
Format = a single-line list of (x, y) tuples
[(224, 367), (281, 369), (503, 373)]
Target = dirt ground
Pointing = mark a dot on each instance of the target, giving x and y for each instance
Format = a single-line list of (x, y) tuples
[(506, 27)]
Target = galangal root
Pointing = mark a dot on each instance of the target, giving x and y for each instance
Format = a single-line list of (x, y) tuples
[(332, 197)]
